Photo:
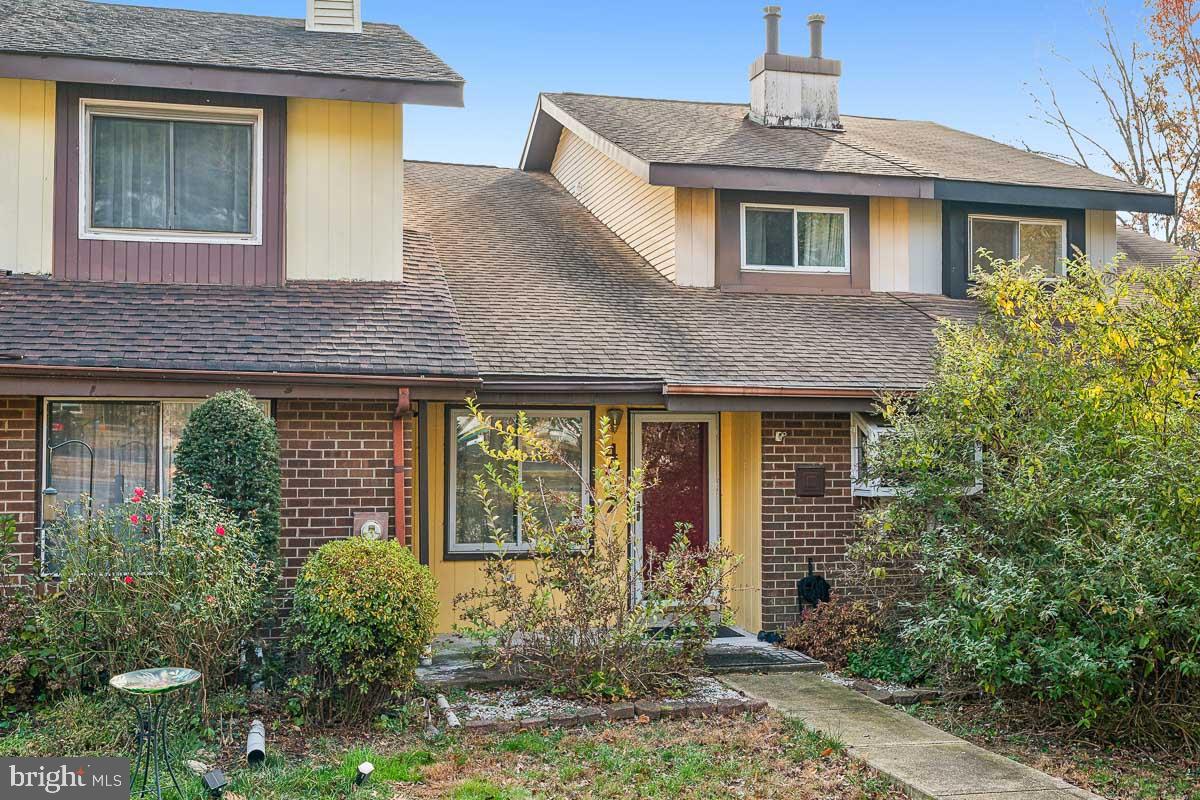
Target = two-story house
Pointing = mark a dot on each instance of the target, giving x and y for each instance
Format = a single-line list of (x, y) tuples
[(210, 200)]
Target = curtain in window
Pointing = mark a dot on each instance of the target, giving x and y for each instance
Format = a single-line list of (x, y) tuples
[(820, 239), (768, 237), (212, 177), (129, 173)]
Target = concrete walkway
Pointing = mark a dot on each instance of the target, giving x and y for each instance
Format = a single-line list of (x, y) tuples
[(928, 762)]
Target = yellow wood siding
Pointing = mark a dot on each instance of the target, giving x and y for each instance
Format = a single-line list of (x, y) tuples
[(641, 214), (1100, 236), (741, 511), (345, 190), (26, 175), (906, 245), (695, 237)]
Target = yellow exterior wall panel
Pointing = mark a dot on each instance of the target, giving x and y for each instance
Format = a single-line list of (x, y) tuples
[(27, 123), (345, 190)]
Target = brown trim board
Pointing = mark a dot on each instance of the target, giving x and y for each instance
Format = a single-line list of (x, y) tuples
[(216, 79)]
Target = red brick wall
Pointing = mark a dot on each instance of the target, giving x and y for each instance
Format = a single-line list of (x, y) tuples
[(797, 528), (335, 460), (18, 471)]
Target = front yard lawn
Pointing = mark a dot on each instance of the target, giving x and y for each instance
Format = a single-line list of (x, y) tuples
[(750, 756), (1113, 770)]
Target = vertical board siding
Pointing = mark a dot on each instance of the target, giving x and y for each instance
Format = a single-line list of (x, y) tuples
[(166, 262), (345, 178), (925, 246), (1100, 236), (641, 214), (27, 137), (741, 512), (906, 245), (695, 237)]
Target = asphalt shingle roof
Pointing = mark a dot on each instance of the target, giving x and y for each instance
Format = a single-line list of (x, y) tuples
[(720, 134), (543, 288), (200, 38), (321, 327), (1141, 248)]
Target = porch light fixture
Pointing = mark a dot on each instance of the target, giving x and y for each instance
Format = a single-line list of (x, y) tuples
[(615, 415)]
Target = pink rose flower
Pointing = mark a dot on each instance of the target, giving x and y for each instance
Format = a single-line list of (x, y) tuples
[(128, 580), (138, 494), (220, 530), (134, 518)]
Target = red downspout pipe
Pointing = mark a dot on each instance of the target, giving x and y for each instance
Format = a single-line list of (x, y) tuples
[(399, 471)]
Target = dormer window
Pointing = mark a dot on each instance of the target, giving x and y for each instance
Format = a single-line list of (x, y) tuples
[(778, 238), (167, 172)]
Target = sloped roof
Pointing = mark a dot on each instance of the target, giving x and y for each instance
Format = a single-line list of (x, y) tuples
[(1142, 248), (932, 157), (379, 329), (143, 34), (543, 288)]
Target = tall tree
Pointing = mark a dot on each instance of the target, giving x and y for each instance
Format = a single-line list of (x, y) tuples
[(1151, 97)]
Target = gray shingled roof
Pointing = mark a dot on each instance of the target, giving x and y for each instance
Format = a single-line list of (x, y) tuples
[(321, 327), (197, 38), (543, 288), (1141, 248), (720, 134)]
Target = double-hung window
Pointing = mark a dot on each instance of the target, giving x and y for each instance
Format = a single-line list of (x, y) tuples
[(795, 238), (560, 487), (167, 172), (103, 450), (1041, 242)]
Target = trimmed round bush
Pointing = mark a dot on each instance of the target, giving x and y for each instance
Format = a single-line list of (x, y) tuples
[(230, 450), (364, 612)]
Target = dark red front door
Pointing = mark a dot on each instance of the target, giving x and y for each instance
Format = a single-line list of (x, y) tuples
[(676, 458)]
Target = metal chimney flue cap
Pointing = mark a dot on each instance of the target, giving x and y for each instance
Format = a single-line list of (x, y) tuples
[(815, 23), (772, 14)]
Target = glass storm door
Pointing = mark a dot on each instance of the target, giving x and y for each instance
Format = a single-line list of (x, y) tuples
[(679, 454)]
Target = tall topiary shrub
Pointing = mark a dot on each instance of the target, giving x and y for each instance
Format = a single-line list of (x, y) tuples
[(229, 449)]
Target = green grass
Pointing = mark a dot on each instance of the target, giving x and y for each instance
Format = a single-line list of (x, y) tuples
[(532, 742), (401, 768), (809, 745), (475, 789)]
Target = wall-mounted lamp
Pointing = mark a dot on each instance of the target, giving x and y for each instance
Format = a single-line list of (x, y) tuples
[(615, 415)]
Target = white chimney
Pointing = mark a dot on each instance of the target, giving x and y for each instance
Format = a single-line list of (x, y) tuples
[(334, 16), (794, 91)]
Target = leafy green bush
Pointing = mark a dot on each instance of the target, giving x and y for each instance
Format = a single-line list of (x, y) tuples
[(1073, 576), (143, 585), (564, 615), (832, 631), (364, 612), (27, 664), (887, 660), (229, 449)]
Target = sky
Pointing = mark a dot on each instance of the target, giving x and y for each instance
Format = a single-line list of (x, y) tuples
[(969, 65)]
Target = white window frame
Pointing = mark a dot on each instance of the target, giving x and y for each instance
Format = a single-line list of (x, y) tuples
[(453, 546), (865, 433), (44, 438), (1061, 223), (89, 108), (796, 267)]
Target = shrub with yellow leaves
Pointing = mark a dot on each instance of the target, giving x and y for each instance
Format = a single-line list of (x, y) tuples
[(1069, 570)]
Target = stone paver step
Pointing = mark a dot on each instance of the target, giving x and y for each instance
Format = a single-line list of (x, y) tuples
[(926, 761)]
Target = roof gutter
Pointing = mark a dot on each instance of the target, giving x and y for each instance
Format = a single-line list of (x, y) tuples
[(692, 389), (78, 69)]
